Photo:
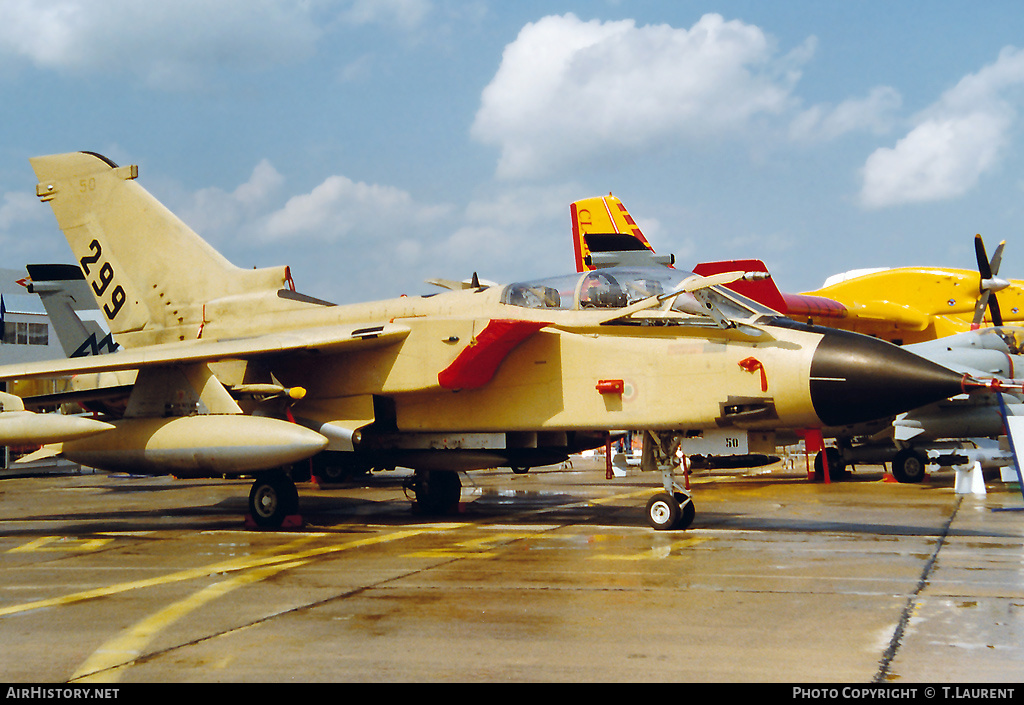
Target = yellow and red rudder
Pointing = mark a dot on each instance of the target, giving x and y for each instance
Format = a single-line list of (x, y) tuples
[(602, 224)]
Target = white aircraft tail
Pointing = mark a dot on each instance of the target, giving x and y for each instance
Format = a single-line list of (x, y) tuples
[(148, 271), (63, 291)]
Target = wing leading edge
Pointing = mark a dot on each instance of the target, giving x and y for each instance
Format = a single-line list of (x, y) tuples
[(328, 339)]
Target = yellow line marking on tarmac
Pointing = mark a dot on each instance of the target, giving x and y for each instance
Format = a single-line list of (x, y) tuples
[(112, 659), (655, 552), (60, 543), (626, 495), (475, 548), (228, 566)]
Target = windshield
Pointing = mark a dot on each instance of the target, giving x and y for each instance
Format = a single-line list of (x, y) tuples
[(1008, 338), (618, 287)]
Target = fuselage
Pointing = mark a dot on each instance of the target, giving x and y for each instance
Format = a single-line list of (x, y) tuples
[(584, 369)]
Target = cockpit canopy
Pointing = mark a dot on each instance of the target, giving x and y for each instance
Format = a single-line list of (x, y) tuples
[(1009, 339), (618, 287)]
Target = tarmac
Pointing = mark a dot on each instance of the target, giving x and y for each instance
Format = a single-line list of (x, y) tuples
[(551, 576)]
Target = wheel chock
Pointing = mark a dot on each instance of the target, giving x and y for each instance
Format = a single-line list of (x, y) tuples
[(292, 521)]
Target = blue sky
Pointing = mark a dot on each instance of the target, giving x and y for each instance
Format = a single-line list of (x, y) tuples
[(373, 144)]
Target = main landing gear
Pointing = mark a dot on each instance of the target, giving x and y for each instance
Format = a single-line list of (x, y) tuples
[(673, 508), (436, 492), (274, 500)]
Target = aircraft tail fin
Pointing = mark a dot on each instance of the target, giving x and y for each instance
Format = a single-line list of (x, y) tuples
[(766, 291), (605, 234), (62, 289), (146, 269), (763, 291)]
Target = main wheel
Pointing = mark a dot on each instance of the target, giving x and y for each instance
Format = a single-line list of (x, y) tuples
[(339, 466), (437, 491), (836, 466), (909, 465), (271, 499)]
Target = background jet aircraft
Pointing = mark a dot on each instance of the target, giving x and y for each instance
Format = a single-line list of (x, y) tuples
[(472, 378), (949, 432)]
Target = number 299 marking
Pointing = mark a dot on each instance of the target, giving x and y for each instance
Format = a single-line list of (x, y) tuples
[(104, 278)]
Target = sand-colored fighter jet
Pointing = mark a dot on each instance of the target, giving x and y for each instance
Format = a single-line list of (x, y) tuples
[(237, 373)]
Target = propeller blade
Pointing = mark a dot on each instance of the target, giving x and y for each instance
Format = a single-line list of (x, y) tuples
[(979, 309), (984, 268), (997, 258), (988, 284), (993, 307)]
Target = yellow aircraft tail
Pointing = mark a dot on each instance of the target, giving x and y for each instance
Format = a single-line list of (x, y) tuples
[(603, 225), (147, 270)]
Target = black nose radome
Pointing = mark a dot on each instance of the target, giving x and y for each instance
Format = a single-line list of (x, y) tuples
[(856, 378)]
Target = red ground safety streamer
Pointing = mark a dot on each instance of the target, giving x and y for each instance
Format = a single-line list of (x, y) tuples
[(752, 364)]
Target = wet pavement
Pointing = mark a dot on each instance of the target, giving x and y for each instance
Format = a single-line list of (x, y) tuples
[(549, 576)]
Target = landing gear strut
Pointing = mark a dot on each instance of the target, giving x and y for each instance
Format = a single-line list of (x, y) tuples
[(272, 499), (673, 508)]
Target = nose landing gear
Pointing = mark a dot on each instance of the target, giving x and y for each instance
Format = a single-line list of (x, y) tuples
[(673, 508)]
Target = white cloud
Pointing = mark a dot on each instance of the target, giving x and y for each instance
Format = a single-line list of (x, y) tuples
[(340, 206), (406, 14), (954, 142), (938, 159), (166, 43), (570, 90), (874, 113), (17, 208), (383, 238), (217, 215), (28, 232)]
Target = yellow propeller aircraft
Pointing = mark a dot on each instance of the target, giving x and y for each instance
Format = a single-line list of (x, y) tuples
[(918, 304), (239, 374)]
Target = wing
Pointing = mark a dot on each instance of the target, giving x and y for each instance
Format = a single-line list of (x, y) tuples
[(328, 339)]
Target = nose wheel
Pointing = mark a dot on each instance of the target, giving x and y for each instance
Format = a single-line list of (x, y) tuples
[(670, 511)]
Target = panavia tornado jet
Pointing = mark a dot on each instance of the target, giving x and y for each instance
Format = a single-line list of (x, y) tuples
[(238, 373)]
